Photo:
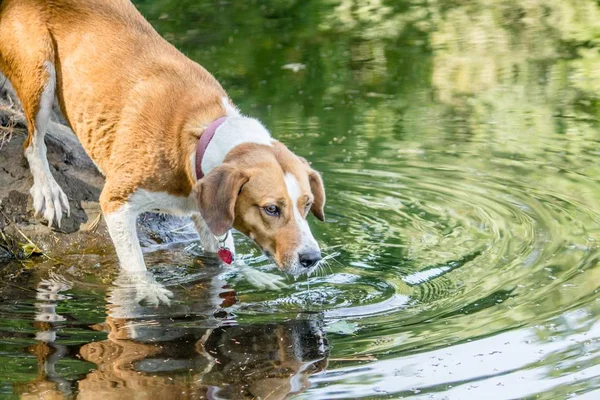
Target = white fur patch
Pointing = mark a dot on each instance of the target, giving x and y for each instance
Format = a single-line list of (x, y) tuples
[(307, 241), (230, 110), (122, 229), (235, 130), (161, 202)]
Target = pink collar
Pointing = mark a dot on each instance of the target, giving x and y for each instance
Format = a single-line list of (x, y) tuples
[(205, 139)]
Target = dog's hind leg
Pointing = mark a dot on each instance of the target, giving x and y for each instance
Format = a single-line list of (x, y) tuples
[(48, 197), (27, 59)]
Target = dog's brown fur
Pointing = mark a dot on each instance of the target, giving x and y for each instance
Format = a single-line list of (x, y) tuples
[(143, 95)]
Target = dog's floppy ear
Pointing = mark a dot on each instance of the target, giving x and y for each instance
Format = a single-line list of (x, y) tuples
[(217, 194), (318, 191)]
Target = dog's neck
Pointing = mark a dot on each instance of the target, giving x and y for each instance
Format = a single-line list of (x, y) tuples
[(233, 131)]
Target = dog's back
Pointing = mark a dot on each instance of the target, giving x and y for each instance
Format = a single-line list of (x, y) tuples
[(113, 71)]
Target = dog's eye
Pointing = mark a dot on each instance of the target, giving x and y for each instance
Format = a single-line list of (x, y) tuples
[(272, 210)]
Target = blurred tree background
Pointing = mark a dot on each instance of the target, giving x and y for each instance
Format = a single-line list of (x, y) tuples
[(455, 58)]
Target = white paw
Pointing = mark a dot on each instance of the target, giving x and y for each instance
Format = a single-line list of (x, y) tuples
[(132, 289), (153, 293), (262, 280), (49, 200)]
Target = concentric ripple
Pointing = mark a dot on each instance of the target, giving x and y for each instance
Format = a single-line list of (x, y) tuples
[(430, 237)]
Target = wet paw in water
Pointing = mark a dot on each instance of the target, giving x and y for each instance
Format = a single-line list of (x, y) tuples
[(261, 280), (131, 289)]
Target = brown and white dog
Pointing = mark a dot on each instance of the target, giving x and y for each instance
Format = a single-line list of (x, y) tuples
[(139, 108)]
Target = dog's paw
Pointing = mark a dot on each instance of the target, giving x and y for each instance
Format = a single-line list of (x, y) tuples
[(131, 289), (49, 200), (262, 280), (153, 293)]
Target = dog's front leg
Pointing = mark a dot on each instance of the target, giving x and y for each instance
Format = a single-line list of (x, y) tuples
[(121, 220), (130, 289), (121, 223), (207, 239)]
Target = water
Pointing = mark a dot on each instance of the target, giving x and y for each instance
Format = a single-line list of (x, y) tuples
[(459, 146)]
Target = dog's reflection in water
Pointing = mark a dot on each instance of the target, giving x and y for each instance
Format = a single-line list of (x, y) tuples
[(174, 353), (49, 384)]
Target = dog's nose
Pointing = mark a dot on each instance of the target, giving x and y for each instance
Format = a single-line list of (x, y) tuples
[(310, 258)]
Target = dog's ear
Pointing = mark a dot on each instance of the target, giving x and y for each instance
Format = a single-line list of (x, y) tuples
[(217, 194), (318, 191)]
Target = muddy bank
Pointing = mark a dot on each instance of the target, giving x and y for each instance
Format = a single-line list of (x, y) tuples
[(80, 180)]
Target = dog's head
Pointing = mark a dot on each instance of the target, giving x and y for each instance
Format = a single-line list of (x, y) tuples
[(266, 192)]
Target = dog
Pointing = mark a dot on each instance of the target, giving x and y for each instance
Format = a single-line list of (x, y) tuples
[(159, 127)]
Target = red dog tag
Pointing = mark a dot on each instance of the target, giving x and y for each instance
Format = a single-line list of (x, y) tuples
[(225, 255)]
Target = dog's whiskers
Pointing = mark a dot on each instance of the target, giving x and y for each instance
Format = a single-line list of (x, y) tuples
[(331, 255), (326, 264), (319, 270), (322, 267)]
